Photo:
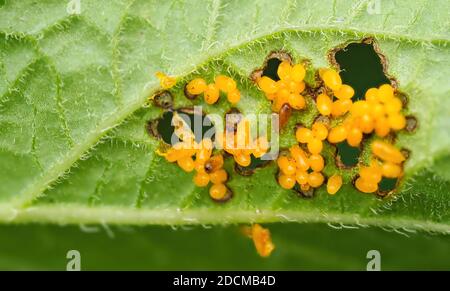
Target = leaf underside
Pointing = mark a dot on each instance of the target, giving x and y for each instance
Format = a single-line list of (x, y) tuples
[(74, 89)]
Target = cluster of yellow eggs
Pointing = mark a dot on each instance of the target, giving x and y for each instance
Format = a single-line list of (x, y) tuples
[(379, 112), (240, 145), (305, 168), (211, 92), (343, 92), (389, 166), (288, 89), (208, 167), (190, 156), (294, 169)]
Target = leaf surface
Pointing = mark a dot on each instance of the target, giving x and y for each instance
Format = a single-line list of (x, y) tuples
[(73, 90)]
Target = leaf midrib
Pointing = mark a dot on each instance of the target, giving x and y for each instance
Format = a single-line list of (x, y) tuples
[(80, 214)]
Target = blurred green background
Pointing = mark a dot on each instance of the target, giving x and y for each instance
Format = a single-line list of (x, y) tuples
[(298, 247)]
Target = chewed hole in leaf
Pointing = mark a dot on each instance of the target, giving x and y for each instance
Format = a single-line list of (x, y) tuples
[(361, 66), (347, 156), (270, 65), (164, 129), (271, 68), (387, 185)]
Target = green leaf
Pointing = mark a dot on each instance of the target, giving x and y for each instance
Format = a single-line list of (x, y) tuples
[(73, 89)]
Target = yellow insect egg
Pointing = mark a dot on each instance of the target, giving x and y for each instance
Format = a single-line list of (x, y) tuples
[(282, 84), (278, 103), (272, 96), (332, 79), (375, 165), (370, 174), (397, 121), (186, 163), (319, 130), (267, 85), (301, 160), (242, 159), (372, 95), (360, 107), (218, 191), (387, 152), (185, 149), (301, 177), (349, 123), (354, 136), (316, 162), (203, 155), (234, 96), (366, 123), (321, 72), (324, 104), (262, 240), (382, 127), (334, 184), (296, 87), (303, 135), (284, 70), (298, 73), (172, 155), (219, 176), (377, 110), (365, 186), (393, 105), (340, 107), (315, 179), (285, 181), (287, 165), (199, 167), (391, 170), (296, 101), (224, 83), (196, 86), (315, 146), (211, 94), (165, 81), (201, 179), (337, 134), (385, 93), (214, 163), (345, 92), (283, 93)]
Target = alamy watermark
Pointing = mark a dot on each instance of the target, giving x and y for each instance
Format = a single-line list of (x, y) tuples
[(74, 263), (240, 132), (73, 7), (374, 263), (374, 7)]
